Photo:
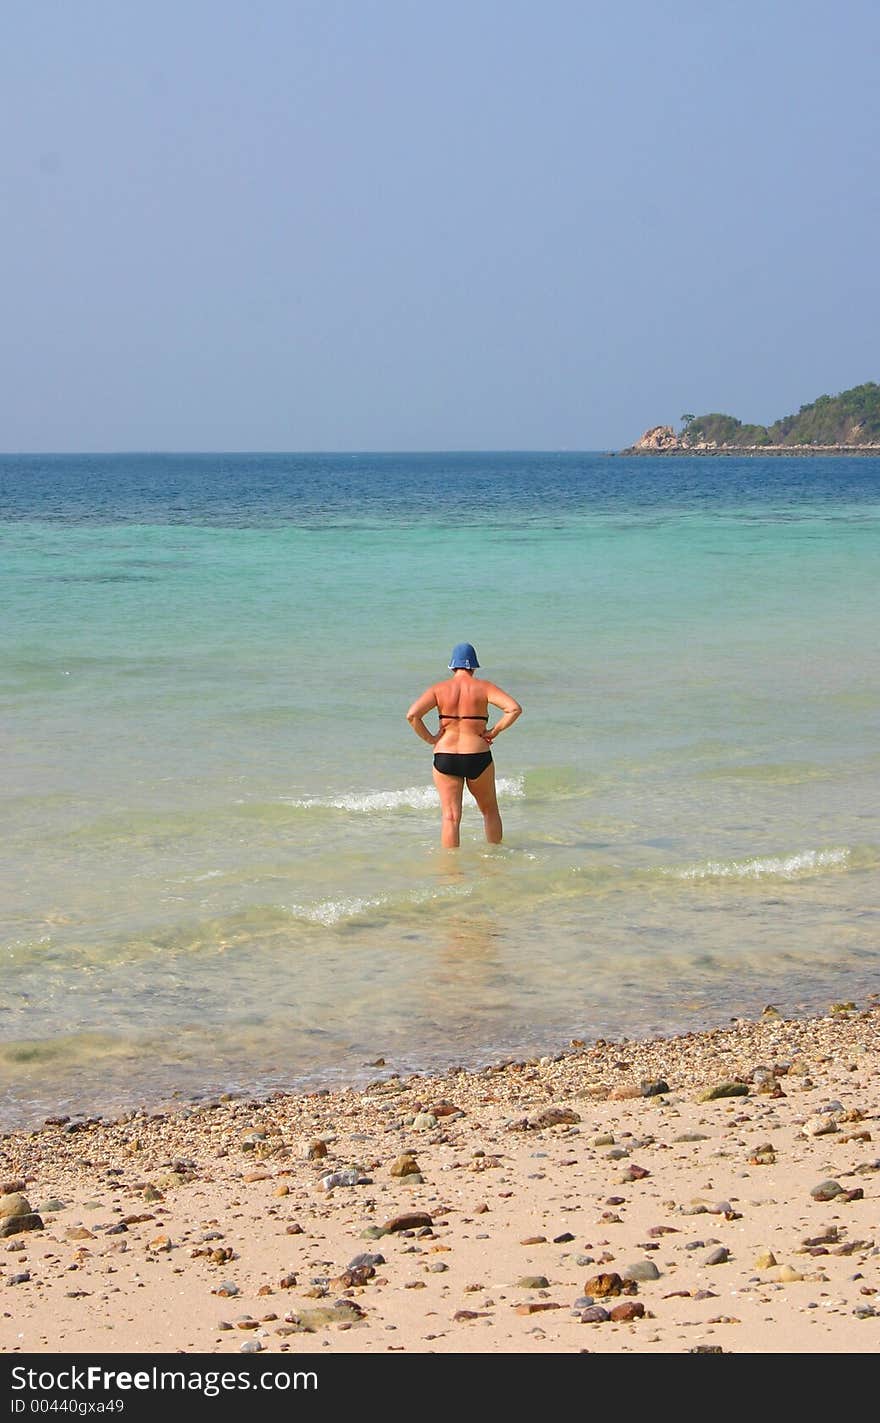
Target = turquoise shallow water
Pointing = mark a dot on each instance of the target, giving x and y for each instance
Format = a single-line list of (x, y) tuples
[(221, 865)]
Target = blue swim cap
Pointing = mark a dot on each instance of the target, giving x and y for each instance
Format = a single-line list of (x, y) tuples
[(463, 655)]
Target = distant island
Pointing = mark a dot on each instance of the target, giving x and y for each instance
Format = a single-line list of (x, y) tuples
[(847, 424)]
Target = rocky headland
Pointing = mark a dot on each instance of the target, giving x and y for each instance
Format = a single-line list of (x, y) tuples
[(662, 440), (845, 424)]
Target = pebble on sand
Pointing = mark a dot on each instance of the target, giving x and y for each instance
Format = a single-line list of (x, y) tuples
[(640, 1270), (634, 1172), (822, 1125), (724, 1089), (344, 1311), (411, 1220), (719, 1256), (14, 1204), (365, 1258), (787, 1275), (405, 1165), (350, 1177), (595, 1314), (826, 1191), (555, 1117), (17, 1215), (602, 1285)]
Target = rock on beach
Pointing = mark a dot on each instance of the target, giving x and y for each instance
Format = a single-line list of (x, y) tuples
[(724, 1089), (17, 1215), (826, 1191), (640, 1270)]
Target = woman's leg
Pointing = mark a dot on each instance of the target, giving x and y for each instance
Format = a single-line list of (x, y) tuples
[(451, 791), (482, 788)]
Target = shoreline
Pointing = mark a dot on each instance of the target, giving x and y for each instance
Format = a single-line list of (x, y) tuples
[(181, 1093), (531, 1179), (748, 451)]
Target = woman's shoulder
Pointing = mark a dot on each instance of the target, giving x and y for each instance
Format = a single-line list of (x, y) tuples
[(498, 697)]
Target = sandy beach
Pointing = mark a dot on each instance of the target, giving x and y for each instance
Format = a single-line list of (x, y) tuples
[(715, 1191)]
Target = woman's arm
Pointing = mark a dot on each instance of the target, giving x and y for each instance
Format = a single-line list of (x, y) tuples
[(414, 716), (510, 711)]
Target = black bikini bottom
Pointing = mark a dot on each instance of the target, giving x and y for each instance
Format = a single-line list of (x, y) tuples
[(467, 767)]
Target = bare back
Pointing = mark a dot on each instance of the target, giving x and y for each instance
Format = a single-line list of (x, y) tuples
[(463, 703)]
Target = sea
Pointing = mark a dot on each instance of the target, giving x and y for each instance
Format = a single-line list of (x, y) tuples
[(221, 868)]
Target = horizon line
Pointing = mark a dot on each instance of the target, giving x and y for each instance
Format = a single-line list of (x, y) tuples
[(462, 450)]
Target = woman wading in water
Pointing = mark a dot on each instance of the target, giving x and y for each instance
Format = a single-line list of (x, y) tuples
[(461, 746)]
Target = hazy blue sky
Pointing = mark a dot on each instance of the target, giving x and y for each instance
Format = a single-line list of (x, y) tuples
[(391, 224)]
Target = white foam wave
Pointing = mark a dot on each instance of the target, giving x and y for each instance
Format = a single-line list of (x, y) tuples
[(782, 867), (335, 911), (409, 798)]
